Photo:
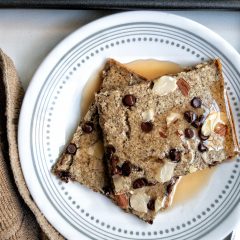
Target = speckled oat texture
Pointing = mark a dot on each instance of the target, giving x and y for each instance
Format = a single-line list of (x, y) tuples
[(86, 164), (145, 136), (85, 161)]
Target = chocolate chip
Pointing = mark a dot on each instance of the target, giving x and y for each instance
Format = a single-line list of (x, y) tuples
[(146, 127), (151, 204), (115, 169), (71, 148), (126, 168), (150, 221), (114, 160), (175, 155), (201, 119), (196, 124), (63, 175), (118, 170), (151, 85), (189, 133), (170, 185), (88, 127), (107, 190), (201, 136), (202, 147), (169, 188), (129, 100), (151, 183), (196, 102), (140, 182), (190, 116), (110, 150)]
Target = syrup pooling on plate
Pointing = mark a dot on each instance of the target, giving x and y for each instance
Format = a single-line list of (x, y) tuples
[(189, 186), (152, 68), (91, 87)]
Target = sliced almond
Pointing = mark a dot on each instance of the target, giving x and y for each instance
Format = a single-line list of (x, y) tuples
[(183, 86), (159, 203), (122, 200), (189, 156), (121, 184), (220, 129), (211, 121), (65, 161), (139, 201), (164, 85), (165, 173), (192, 169), (215, 142), (172, 118), (148, 115), (96, 149)]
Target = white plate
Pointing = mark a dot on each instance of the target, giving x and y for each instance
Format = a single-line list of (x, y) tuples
[(50, 114)]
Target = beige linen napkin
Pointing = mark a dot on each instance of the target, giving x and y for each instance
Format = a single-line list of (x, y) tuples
[(20, 217)]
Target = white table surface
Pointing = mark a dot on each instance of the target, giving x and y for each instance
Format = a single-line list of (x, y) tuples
[(27, 36)]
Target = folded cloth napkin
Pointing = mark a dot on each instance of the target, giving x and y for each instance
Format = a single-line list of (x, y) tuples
[(20, 218)]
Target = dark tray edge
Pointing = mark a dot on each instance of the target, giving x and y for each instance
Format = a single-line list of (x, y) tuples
[(121, 4)]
